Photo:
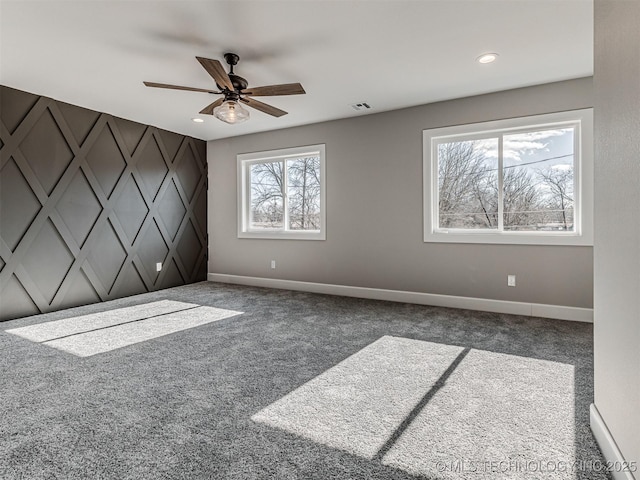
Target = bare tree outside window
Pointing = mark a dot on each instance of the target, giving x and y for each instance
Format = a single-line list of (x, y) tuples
[(559, 198), (521, 200), (537, 182), (267, 204), (302, 192), (542, 200), (468, 184)]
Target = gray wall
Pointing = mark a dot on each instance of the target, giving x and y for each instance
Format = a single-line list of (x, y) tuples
[(617, 222), (374, 209), (89, 203)]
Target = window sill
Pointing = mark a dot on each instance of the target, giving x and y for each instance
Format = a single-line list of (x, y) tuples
[(274, 235), (511, 238)]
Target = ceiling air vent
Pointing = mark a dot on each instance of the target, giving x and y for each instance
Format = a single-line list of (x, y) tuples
[(361, 106)]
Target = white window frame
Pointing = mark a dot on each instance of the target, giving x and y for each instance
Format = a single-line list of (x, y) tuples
[(245, 160), (583, 179)]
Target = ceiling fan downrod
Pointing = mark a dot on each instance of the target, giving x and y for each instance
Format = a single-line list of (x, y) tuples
[(238, 82)]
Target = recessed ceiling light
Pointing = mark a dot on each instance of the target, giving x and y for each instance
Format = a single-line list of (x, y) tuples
[(197, 120), (487, 58)]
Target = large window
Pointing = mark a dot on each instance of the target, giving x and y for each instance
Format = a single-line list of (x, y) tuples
[(281, 194), (525, 180)]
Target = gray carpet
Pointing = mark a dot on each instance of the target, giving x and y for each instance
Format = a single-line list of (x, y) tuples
[(303, 386)]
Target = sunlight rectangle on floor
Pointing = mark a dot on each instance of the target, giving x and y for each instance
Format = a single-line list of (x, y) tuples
[(42, 332), (118, 336), (499, 415), (358, 404), (432, 409)]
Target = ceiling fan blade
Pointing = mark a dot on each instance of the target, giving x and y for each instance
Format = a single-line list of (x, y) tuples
[(272, 90), (178, 87), (263, 107), (216, 70), (208, 110)]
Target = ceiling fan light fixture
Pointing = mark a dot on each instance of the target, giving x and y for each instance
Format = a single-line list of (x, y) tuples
[(231, 112)]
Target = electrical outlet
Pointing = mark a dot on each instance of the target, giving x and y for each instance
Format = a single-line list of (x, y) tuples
[(273, 264), (158, 266), (511, 280)]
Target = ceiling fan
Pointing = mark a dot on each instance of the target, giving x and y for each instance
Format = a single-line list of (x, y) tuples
[(235, 91)]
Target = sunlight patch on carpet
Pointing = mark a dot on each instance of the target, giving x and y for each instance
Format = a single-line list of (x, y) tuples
[(89, 335), (436, 410), (499, 415), (42, 332), (356, 405)]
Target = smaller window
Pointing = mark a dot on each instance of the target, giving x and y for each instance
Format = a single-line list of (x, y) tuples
[(281, 194)]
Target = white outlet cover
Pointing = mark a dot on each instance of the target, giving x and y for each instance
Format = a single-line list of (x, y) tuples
[(158, 266)]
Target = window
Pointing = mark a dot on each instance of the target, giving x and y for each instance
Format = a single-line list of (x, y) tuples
[(526, 180), (281, 194)]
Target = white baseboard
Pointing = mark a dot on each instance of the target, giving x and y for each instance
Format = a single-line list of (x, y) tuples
[(607, 444), (486, 305)]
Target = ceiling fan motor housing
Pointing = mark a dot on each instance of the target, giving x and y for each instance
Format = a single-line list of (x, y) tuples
[(238, 82)]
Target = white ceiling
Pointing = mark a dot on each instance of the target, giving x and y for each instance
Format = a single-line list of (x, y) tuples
[(391, 54)]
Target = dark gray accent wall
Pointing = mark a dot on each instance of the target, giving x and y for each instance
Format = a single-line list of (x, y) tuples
[(89, 203), (617, 223)]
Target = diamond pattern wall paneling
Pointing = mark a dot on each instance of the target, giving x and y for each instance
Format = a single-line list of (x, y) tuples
[(89, 203)]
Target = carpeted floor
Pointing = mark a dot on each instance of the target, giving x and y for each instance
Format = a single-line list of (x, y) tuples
[(303, 386)]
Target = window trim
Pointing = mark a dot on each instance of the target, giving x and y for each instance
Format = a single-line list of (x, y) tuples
[(583, 178), (243, 189)]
